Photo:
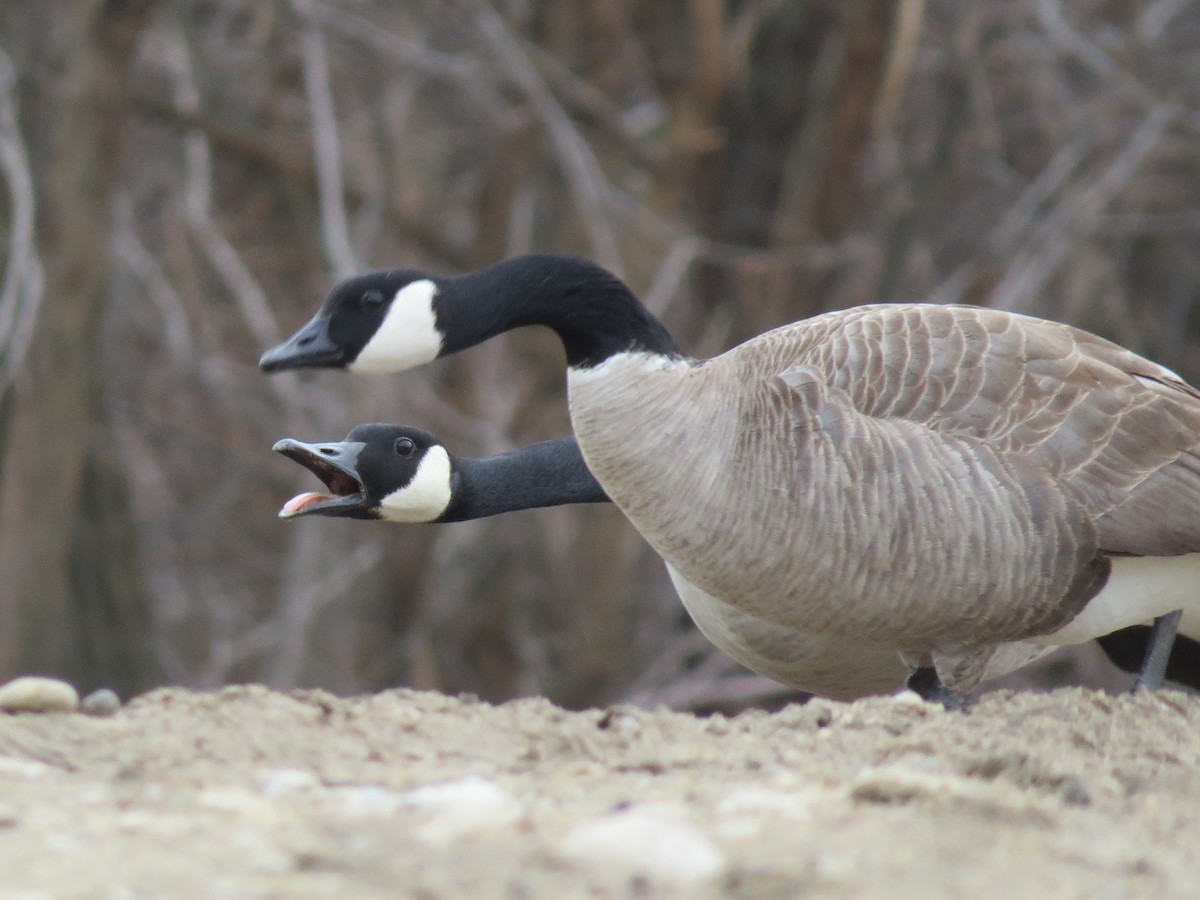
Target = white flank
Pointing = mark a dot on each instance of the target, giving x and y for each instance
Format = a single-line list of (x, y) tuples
[(425, 497), (1140, 588), (408, 335), (837, 669)]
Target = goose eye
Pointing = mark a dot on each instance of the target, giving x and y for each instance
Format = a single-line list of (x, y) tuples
[(405, 447), (373, 299)]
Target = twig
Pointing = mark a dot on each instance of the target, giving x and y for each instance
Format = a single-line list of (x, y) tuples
[(1093, 57), (168, 587), (595, 105), (906, 37), (462, 71), (1018, 219), (786, 258), (334, 228), (145, 267), (248, 295), (583, 173), (1155, 18), (671, 273), (253, 148), (302, 603), (21, 290), (1047, 244)]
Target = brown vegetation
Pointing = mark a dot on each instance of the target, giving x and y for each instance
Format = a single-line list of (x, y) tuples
[(182, 181)]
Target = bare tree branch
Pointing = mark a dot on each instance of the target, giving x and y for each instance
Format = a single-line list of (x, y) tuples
[(286, 637), (145, 266), (671, 274), (462, 71), (21, 289), (335, 228), (1073, 219), (578, 162), (1156, 17), (901, 55), (1068, 39)]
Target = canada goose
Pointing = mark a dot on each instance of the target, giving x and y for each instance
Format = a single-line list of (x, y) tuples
[(938, 479)]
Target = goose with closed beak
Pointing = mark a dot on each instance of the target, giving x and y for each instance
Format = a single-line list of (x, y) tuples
[(938, 480)]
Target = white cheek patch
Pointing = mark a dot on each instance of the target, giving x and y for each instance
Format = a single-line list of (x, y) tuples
[(407, 336), (425, 497)]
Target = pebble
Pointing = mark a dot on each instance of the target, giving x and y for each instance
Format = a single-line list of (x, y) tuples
[(658, 845), (38, 695), (26, 769), (100, 703), (459, 808), (279, 782), (366, 800)]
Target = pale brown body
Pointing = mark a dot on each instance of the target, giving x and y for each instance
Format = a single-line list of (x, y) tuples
[(928, 479)]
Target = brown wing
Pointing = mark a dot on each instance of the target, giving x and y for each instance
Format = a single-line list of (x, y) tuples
[(1116, 431), (965, 543)]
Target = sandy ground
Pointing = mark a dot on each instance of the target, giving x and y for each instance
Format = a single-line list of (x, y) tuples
[(250, 793)]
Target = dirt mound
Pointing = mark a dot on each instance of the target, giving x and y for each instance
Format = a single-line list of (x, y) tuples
[(252, 793)]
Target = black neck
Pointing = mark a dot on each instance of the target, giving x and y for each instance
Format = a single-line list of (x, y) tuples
[(590, 309), (551, 473)]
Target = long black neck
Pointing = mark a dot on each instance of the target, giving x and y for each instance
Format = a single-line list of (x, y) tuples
[(551, 473), (590, 309)]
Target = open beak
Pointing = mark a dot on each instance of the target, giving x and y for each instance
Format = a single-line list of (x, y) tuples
[(310, 347), (334, 465)]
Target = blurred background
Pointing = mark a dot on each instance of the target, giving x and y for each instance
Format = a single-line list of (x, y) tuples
[(181, 182)]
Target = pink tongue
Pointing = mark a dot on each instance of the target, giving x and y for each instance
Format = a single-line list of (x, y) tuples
[(300, 502)]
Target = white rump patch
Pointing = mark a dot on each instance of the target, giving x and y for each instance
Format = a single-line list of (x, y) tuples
[(408, 335), (425, 497), (1139, 589)]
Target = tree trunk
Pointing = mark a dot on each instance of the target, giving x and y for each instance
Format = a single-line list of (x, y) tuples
[(52, 413)]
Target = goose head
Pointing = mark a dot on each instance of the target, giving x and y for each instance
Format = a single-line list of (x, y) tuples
[(392, 472), (378, 322), (394, 320), (403, 474)]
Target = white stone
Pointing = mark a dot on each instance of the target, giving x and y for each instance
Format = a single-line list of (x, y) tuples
[(658, 844), (230, 798), (277, 782), (36, 694), (459, 808), (28, 769), (367, 800), (100, 703)]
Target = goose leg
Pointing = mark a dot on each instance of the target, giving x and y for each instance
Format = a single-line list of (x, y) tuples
[(924, 681), (1158, 652)]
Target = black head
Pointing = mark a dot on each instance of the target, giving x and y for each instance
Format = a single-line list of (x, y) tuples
[(381, 321), (391, 472), (396, 320)]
